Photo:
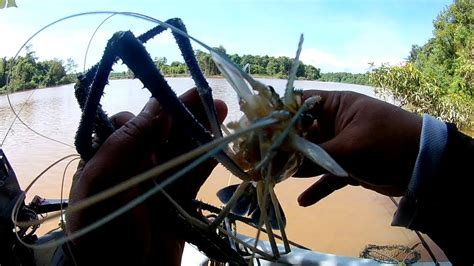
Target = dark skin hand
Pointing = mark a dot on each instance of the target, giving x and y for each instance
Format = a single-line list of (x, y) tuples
[(375, 142), (143, 235)]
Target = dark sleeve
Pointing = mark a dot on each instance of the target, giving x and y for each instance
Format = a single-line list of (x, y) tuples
[(443, 208)]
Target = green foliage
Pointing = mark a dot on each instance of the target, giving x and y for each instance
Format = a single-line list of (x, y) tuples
[(278, 67), (415, 50), (175, 69), (408, 86), (450, 54), (311, 73), (54, 72), (70, 66), (160, 62), (121, 75), (206, 64), (420, 93), (345, 77), (29, 73), (3, 72), (439, 76), (7, 3)]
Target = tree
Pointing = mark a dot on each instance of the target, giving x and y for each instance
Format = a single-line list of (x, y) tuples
[(273, 67), (160, 62), (55, 72), (312, 73), (176, 68), (345, 77), (419, 93), (236, 59), (3, 72), (285, 65), (439, 77), (300, 72), (415, 50), (28, 73), (449, 55), (23, 71), (70, 66), (205, 62)]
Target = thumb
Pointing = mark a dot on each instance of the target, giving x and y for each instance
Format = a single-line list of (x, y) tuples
[(129, 145), (327, 184)]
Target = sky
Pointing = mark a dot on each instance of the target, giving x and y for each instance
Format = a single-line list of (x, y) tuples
[(340, 36)]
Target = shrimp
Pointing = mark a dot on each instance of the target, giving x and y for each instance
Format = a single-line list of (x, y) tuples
[(265, 147), (271, 154)]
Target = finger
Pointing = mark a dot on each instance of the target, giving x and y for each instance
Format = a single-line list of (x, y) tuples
[(327, 107), (332, 115), (335, 111), (152, 108), (337, 147), (193, 102), (127, 150), (327, 184), (188, 186), (309, 169), (331, 101), (150, 126), (121, 118)]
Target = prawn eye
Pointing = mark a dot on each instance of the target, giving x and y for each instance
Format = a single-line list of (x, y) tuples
[(306, 120)]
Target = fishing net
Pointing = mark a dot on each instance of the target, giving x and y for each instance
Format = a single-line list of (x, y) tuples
[(394, 254)]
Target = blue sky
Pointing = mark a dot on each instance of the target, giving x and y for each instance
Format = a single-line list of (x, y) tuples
[(339, 35)]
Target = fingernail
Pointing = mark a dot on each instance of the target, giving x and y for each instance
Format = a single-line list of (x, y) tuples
[(152, 107), (301, 201)]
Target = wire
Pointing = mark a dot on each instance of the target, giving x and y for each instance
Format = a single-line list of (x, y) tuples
[(16, 116), (68, 244), (92, 37), (422, 239)]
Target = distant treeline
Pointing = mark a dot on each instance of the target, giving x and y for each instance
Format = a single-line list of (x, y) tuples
[(263, 66), (29, 73), (267, 66), (345, 77)]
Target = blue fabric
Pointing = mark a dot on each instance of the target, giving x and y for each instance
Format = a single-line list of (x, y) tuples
[(433, 141)]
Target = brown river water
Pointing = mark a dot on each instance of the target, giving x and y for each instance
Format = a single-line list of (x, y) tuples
[(343, 223)]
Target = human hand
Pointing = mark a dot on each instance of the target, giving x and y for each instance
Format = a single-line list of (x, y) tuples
[(144, 234), (375, 142)]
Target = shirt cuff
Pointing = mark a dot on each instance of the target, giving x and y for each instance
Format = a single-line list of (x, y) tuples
[(433, 140)]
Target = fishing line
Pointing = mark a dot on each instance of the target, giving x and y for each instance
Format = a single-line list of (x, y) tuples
[(15, 117), (209, 149), (110, 13), (216, 146), (61, 211), (62, 186), (17, 114), (92, 37)]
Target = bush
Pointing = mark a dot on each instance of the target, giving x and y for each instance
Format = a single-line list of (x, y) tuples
[(419, 93)]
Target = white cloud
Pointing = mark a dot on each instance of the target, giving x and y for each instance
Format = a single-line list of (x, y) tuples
[(329, 62), (376, 44), (369, 40), (63, 41), (12, 40)]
